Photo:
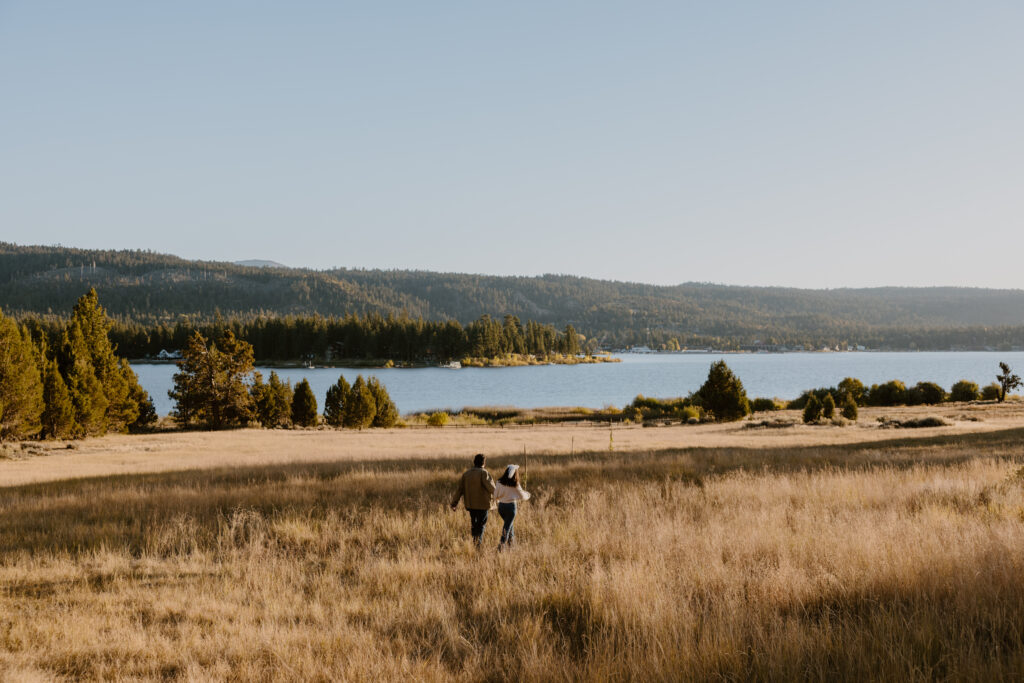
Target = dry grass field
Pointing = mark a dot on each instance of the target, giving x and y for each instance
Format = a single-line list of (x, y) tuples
[(824, 553)]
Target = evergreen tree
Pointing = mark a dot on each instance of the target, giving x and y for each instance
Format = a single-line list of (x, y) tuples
[(272, 401), (87, 396), (386, 414), (812, 410), (58, 418), (147, 416), (334, 405), (304, 405), (122, 409), (572, 342), (723, 394), (850, 408), (210, 386), (828, 407), (21, 391), (360, 407)]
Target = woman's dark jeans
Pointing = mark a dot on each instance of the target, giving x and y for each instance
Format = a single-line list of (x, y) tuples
[(508, 515)]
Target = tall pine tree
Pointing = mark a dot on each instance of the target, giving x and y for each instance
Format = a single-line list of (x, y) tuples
[(21, 391), (334, 404), (304, 405)]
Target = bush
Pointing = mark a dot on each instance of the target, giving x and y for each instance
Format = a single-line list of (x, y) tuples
[(991, 392), (812, 409), (692, 414), (759, 405), (923, 422), (723, 394), (926, 393), (438, 419), (800, 402), (892, 393), (850, 408), (828, 407), (964, 391)]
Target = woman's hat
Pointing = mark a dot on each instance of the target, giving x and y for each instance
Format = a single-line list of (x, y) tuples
[(510, 470)]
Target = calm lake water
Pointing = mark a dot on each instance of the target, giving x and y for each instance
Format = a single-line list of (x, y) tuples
[(662, 375)]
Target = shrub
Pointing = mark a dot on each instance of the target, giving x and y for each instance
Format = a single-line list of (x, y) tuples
[(828, 407), (850, 408), (723, 394), (931, 421), (438, 419), (964, 391), (991, 392), (926, 393), (800, 402), (692, 414), (759, 405), (812, 409), (892, 393)]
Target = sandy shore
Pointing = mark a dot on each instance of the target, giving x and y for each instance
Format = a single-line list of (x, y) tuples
[(171, 451)]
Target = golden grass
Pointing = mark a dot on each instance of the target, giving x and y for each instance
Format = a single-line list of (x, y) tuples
[(897, 559), (166, 452)]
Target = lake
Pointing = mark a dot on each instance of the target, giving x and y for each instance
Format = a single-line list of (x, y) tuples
[(783, 375)]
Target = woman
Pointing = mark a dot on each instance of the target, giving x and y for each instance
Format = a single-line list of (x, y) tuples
[(508, 492)]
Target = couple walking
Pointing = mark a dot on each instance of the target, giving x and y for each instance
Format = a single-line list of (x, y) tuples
[(477, 489)]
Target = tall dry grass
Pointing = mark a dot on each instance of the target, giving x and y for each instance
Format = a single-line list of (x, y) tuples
[(902, 560)]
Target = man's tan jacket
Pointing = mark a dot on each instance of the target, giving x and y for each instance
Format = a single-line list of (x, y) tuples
[(476, 486)]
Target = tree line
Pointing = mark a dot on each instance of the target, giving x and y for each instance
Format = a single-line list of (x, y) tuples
[(154, 290), (69, 384), (218, 387), (370, 336)]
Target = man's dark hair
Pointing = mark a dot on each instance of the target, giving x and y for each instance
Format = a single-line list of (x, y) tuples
[(478, 460)]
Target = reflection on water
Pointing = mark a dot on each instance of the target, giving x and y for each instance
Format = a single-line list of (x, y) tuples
[(662, 375)]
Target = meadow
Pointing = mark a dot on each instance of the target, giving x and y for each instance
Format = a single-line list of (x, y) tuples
[(899, 557)]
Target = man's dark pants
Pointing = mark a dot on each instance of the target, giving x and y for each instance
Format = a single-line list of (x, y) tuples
[(478, 518)]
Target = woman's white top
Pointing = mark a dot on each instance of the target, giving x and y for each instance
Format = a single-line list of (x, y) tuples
[(509, 494)]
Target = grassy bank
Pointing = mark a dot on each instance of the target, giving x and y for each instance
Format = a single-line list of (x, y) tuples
[(898, 559)]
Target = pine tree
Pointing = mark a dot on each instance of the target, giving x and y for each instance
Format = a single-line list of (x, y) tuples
[(723, 395), (812, 410), (386, 414), (360, 407), (86, 391), (122, 409), (828, 407), (21, 391), (272, 401), (211, 385), (334, 405), (850, 408), (146, 417), (304, 405), (58, 418)]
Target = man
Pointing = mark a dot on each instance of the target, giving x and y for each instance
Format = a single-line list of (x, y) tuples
[(475, 487)]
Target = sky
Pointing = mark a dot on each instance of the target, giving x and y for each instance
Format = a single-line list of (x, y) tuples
[(806, 144)]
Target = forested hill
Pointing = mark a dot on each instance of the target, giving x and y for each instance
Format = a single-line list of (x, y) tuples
[(147, 287)]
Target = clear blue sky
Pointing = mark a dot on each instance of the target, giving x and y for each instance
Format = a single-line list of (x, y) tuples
[(812, 144)]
